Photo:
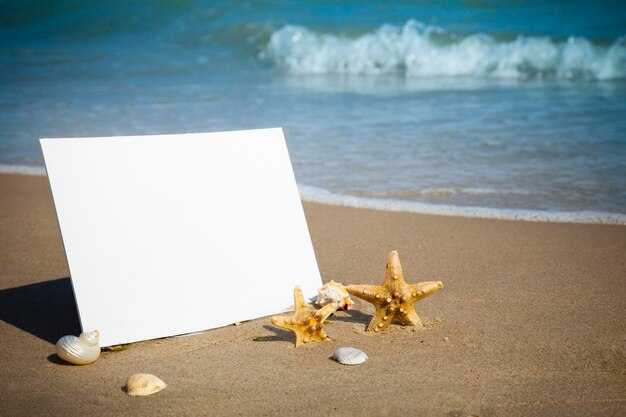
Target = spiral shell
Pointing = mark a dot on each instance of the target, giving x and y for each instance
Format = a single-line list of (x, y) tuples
[(349, 356), (81, 350), (139, 385), (334, 293)]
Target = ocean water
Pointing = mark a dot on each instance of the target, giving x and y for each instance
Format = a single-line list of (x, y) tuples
[(503, 109)]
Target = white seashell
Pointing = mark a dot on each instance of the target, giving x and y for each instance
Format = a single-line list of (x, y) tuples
[(334, 293), (349, 356), (140, 385), (81, 350)]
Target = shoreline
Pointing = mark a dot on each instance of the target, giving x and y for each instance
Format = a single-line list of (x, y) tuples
[(530, 322), (321, 196)]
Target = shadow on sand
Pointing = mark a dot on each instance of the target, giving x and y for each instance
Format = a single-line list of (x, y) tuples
[(45, 309), (279, 335), (352, 316)]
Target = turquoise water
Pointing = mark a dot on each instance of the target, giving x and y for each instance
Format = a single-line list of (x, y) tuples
[(475, 105)]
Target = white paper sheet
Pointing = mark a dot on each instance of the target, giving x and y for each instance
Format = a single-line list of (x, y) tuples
[(173, 234)]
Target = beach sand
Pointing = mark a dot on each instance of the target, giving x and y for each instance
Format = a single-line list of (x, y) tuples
[(531, 321)]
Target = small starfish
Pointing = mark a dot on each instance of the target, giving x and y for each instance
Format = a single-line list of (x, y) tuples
[(306, 324), (394, 299)]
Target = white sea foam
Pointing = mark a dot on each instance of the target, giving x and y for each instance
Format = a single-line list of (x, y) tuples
[(418, 50), (436, 192), (317, 195), (22, 169)]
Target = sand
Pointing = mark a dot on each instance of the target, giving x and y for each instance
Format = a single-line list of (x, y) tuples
[(531, 321)]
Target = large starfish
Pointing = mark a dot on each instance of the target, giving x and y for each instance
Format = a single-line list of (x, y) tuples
[(394, 299), (306, 324)]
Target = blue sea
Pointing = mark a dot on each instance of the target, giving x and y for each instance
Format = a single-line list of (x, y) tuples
[(504, 109)]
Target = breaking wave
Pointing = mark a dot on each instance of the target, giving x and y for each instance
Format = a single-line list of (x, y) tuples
[(419, 50)]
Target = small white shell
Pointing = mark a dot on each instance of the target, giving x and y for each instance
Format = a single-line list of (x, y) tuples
[(334, 293), (81, 350), (349, 356), (139, 385)]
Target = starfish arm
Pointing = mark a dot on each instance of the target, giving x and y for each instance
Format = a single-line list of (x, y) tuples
[(423, 289), (278, 321), (322, 336), (299, 338), (323, 313), (296, 327), (394, 278), (298, 299), (317, 336), (380, 321), (370, 293), (285, 322), (409, 317)]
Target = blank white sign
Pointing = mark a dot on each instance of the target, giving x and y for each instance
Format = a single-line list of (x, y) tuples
[(173, 234)]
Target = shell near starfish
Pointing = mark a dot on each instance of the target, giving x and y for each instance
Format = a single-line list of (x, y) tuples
[(334, 293)]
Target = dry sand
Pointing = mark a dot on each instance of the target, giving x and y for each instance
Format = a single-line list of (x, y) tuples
[(534, 316)]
